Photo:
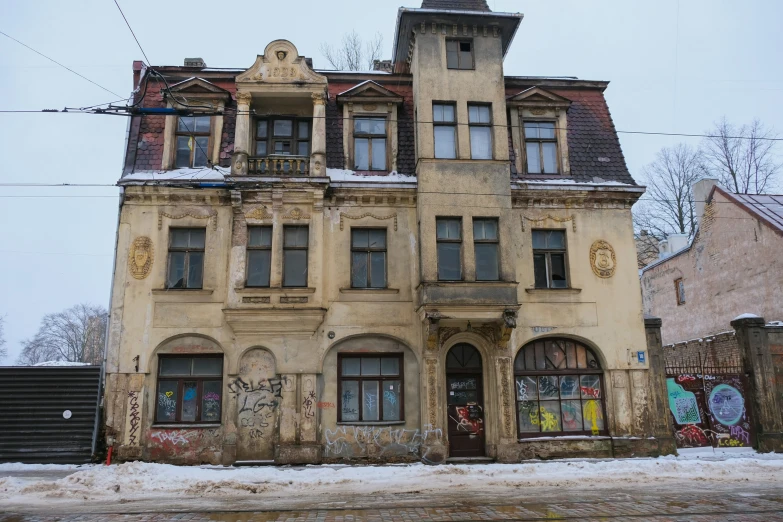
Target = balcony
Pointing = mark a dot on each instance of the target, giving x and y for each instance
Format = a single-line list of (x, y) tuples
[(278, 165)]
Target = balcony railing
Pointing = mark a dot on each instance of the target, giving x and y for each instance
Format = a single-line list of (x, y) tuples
[(279, 165)]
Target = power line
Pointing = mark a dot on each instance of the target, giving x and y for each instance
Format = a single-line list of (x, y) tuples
[(61, 65), (131, 30), (52, 253)]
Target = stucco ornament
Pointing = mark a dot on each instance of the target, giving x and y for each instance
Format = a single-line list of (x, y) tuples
[(140, 257), (602, 259)]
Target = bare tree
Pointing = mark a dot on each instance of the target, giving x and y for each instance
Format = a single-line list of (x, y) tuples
[(3, 349), (668, 206), (742, 158), (76, 335), (353, 54)]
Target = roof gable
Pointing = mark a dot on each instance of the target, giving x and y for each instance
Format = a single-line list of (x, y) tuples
[(537, 96), (767, 208), (369, 91), (197, 86)]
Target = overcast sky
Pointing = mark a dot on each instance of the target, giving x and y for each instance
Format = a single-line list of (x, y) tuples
[(674, 67)]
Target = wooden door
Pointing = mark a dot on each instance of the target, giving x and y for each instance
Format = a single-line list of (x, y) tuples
[(465, 402)]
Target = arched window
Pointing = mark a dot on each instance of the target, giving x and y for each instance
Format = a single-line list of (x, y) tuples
[(559, 390)]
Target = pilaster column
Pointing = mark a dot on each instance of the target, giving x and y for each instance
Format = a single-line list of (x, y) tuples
[(660, 420), (318, 154), (242, 132), (759, 367)]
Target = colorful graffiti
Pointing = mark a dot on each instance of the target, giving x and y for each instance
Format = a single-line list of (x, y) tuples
[(682, 404), (369, 441), (726, 404), (472, 424)]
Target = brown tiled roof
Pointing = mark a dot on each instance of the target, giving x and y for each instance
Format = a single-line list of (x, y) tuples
[(594, 151), (456, 5), (766, 207)]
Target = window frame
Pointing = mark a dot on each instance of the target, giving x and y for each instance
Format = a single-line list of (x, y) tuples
[(547, 252), (380, 378), (452, 124), (249, 248), (187, 250), (369, 251), (193, 134), (306, 248), (459, 66), (488, 125), (199, 389), (679, 291), (598, 371), (448, 240), (370, 137), (495, 242), (540, 142), (294, 139)]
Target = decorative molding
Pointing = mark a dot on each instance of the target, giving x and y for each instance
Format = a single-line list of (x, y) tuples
[(291, 300), (369, 106), (258, 213), (189, 212), (571, 218), (140, 257), (319, 98), (505, 384), (296, 214), (281, 63), (244, 98), (602, 259), (446, 332), (256, 300), (432, 390), (368, 214), (538, 112)]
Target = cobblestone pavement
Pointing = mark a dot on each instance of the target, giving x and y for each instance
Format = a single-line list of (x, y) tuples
[(730, 505)]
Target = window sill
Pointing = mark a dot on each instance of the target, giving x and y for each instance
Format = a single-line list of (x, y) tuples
[(379, 423), (192, 291), (553, 291), (185, 426), (369, 290), (274, 290)]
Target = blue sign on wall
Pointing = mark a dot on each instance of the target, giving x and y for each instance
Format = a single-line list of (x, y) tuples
[(640, 356)]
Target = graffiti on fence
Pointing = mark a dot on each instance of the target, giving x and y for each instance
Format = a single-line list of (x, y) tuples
[(682, 404), (369, 441)]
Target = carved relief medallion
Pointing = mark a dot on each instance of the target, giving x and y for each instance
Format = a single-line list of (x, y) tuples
[(602, 259), (140, 257)]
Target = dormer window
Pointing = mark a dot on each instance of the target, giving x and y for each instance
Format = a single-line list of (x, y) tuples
[(459, 54), (369, 143), (193, 141), (541, 147)]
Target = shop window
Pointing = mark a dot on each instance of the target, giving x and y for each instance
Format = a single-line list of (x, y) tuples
[(559, 390), (190, 389), (541, 147), (449, 241), (368, 258), (369, 143), (370, 388), (549, 259), (259, 255), (186, 258), (193, 141)]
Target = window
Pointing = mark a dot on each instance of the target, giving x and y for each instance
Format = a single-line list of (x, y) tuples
[(485, 244), (541, 147), (459, 54), (479, 121), (189, 389), (193, 141), (186, 257), (295, 255), (368, 258), (369, 143), (370, 388), (559, 390), (549, 259), (445, 129), (288, 136), (449, 239), (679, 289), (259, 255)]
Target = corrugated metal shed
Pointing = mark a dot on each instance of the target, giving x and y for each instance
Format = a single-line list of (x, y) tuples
[(34, 404)]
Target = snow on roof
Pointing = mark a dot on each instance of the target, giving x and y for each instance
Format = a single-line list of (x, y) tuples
[(61, 363), (351, 175), (189, 174), (321, 71), (746, 316)]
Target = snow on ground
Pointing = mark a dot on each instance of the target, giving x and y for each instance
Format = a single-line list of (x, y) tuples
[(139, 480)]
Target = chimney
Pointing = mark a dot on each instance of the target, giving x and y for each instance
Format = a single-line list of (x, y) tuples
[(138, 70), (382, 65), (701, 191), (195, 62)]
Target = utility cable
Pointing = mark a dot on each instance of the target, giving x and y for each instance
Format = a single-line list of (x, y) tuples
[(131, 30), (61, 65)]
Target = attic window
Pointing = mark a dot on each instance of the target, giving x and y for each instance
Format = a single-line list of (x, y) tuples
[(193, 141), (459, 54)]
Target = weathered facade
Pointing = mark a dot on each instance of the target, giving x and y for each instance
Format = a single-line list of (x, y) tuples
[(429, 263), (733, 266)]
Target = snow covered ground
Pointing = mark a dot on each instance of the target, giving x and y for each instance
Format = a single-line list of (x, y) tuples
[(30, 487)]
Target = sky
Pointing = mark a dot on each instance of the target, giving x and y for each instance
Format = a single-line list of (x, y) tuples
[(674, 66)]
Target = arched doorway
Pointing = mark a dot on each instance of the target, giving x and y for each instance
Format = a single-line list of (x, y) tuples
[(465, 401)]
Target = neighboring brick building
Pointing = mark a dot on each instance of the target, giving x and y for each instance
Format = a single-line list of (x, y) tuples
[(733, 266), (427, 261)]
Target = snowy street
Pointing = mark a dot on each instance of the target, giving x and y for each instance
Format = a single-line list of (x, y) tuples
[(699, 485)]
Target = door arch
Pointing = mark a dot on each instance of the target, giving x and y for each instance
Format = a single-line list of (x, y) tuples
[(465, 401)]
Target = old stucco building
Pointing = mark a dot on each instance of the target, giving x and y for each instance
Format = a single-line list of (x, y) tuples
[(427, 261)]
